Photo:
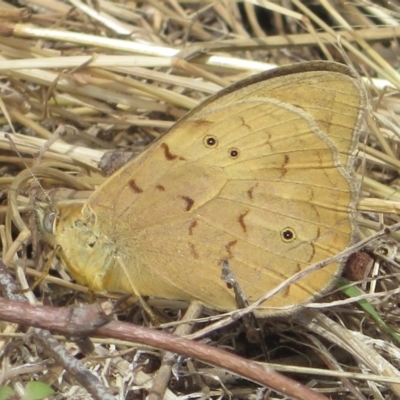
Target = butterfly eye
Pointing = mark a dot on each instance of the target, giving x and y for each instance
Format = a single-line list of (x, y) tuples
[(211, 141), (288, 235), (233, 153), (48, 222)]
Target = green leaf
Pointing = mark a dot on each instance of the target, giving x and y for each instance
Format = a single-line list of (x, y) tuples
[(352, 291), (37, 390), (6, 392)]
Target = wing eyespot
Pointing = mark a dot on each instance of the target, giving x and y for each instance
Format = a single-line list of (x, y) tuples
[(211, 142), (288, 235), (233, 153)]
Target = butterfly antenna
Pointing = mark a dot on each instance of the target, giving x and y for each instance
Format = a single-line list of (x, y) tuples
[(14, 147)]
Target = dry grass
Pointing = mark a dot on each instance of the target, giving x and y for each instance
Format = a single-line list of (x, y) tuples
[(77, 83)]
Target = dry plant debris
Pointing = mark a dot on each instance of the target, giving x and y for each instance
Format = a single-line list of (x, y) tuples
[(81, 79)]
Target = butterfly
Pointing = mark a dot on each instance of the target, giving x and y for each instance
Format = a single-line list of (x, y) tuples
[(259, 176)]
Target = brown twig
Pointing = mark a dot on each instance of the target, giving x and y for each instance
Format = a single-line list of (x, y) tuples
[(89, 381), (72, 321)]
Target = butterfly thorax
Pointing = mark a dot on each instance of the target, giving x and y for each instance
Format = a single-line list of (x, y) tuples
[(86, 253)]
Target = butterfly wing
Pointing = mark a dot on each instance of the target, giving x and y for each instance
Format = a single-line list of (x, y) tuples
[(258, 175)]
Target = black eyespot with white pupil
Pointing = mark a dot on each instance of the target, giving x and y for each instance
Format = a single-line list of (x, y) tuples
[(211, 141), (288, 235), (48, 222), (233, 153)]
